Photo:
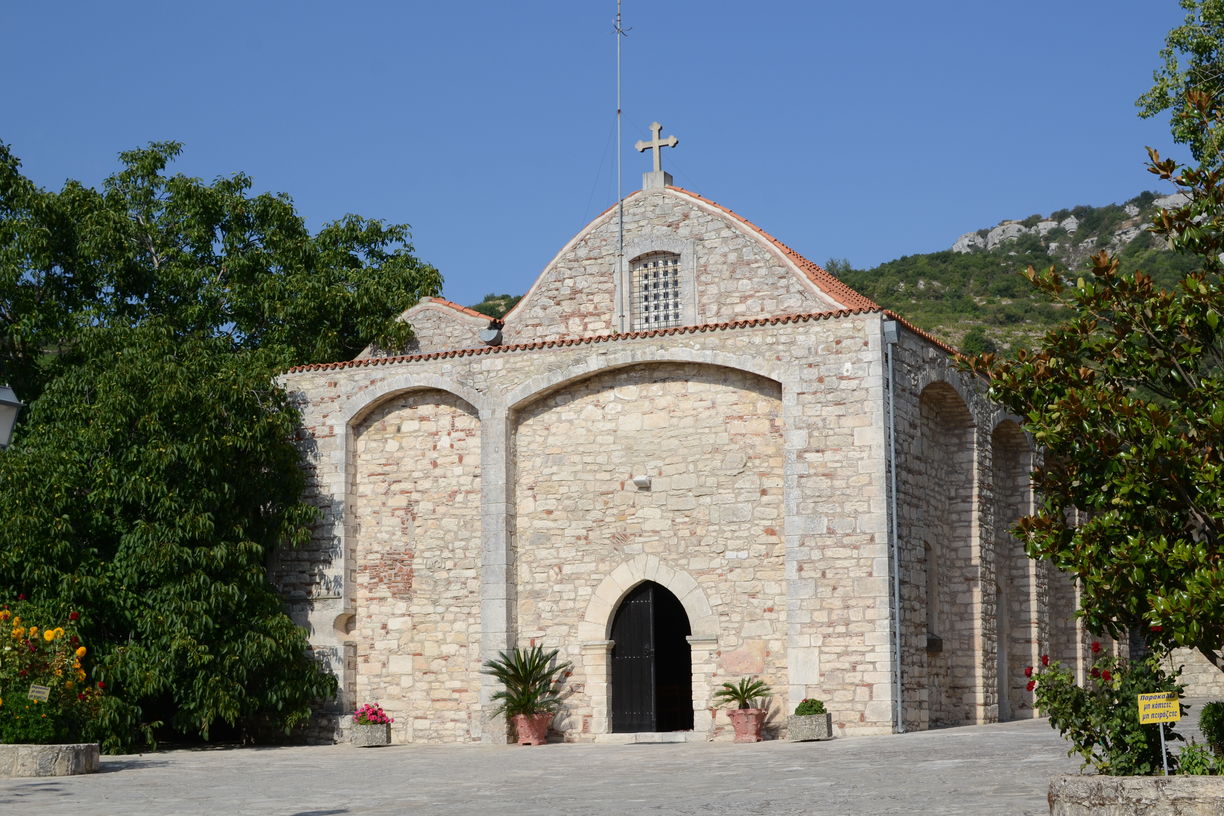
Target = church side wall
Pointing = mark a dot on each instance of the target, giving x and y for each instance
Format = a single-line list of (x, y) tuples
[(1201, 677), (710, 439), (946, 538)]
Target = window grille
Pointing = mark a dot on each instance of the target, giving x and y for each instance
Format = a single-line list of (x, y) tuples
[(656, 291)]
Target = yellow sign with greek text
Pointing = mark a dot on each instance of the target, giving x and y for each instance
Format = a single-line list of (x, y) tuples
[(1159, 708)]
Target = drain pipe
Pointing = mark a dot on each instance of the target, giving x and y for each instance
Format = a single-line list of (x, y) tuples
[(889, 335)]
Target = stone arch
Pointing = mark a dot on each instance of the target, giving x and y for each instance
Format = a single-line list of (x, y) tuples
[(1015, 573), (597, 621), (595, 629), (354, 407), (943, 492), (600, 362)]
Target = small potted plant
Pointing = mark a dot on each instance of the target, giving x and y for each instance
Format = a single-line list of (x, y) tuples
[(371, 726), (810, 722), (530, 695), (745, 718)]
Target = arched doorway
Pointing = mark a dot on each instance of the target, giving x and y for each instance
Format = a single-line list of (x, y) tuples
[(652, 669)]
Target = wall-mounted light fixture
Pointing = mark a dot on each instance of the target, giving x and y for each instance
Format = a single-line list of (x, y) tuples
[(10, 406), (641, 482)]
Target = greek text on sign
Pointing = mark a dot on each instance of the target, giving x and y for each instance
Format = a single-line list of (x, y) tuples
[(40, 693), (1159, 708)]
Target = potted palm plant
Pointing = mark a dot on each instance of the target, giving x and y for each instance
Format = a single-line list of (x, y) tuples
[(746, 719), (530, 693)]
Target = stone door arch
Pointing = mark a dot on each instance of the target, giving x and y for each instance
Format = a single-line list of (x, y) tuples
[(596, 630)]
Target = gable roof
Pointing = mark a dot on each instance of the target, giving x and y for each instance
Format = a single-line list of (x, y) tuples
[(825, 282)]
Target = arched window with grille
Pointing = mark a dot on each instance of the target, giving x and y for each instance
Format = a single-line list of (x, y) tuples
[(655, 291)]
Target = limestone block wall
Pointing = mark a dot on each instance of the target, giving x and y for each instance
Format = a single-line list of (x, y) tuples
[(437, 326), (1201, 677), (1020, 600), (946, 537), (808, 603), (415, 490), (736, 274), (711, 441)]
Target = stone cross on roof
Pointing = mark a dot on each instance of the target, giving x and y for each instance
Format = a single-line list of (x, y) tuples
[(656, 178)]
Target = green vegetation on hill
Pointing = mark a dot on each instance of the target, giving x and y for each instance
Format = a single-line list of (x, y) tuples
[(981, 295), (496, 305)]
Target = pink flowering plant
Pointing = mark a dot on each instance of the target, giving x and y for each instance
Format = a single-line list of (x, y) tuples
[(1101, 718), (371, 714)]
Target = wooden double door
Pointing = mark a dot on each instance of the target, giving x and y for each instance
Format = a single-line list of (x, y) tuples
[(652, 666)]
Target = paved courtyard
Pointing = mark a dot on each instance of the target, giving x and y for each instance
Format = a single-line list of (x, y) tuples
[(993, 769)]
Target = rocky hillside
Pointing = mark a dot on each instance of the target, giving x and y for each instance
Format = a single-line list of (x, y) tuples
[(974, 296)]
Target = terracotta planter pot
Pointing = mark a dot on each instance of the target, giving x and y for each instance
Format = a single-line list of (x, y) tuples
[(747, 723), (532, 729)]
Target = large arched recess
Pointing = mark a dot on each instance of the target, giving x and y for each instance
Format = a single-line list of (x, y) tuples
[(1016, 600), (413, 556), (938, 495), (710, 441)]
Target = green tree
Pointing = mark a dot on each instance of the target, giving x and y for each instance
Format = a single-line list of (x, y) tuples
[(154, 473), (203, 259), (1126, 396), (1191, 59)]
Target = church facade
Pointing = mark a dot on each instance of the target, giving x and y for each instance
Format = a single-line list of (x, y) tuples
[(688, 455)]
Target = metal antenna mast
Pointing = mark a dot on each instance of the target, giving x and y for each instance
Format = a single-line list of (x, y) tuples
[(620, 199)]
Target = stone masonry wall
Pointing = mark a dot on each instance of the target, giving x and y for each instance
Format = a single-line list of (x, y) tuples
[(953, 511), (415, 490), (1016, 574), (737, 275), (834, 584), (711, 441)]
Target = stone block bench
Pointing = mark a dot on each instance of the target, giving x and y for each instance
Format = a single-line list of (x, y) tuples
[(49, 760)]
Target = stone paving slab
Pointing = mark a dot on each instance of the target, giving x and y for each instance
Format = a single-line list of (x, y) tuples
[(993, 769)]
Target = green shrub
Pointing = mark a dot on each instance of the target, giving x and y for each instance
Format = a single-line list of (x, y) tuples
[(1211, 723), (1196, 760), (1101, 719), (810, 706)]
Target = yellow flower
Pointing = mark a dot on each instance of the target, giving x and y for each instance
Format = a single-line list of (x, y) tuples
[(80, 677), (5, 614), (80, 652), (59, 672), (69, 684), (49, 635), (18, 632), (33, 631), (59, 631), (16, 620)]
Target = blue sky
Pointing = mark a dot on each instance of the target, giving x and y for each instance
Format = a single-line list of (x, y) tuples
[(865, 130)]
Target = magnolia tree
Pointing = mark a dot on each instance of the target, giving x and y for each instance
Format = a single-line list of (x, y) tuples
[(1126, 396)]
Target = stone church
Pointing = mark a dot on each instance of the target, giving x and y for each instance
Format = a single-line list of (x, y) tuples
[(688, 455)]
